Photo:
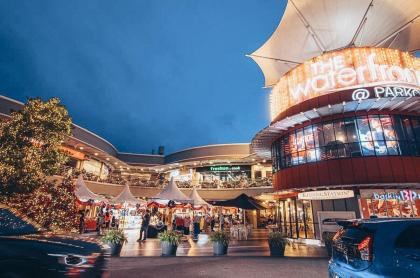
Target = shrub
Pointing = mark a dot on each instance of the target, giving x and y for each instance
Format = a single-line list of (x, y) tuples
[(170, 236), (221, 237), (114, 237), (277, 239)]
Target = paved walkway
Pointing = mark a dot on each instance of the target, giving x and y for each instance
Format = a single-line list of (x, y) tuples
[(218, 267), (256, 245)]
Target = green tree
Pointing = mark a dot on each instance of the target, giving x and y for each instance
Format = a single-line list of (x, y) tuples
[(30, 145)]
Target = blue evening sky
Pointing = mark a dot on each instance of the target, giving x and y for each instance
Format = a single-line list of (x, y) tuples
[(143, 73)]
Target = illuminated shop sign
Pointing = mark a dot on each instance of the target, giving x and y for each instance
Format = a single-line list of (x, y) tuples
[(326, 195), (379, 92), (225, 168), (341, 70), (403, 195)]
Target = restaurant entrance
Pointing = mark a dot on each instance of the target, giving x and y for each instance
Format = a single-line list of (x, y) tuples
[(295, 218)]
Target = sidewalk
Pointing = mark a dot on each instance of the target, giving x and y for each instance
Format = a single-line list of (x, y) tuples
[(256, 245)]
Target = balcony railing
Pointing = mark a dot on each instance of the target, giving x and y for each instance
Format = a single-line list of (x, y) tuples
[(240, 183)]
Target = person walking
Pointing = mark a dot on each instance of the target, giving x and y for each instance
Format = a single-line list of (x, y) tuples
[(144, 226), (222, 221), (196, 221), (212, 223), (100, 221), (82, 222)]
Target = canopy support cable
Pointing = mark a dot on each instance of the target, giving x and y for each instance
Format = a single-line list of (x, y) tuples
[(275, 59), (361, 24), (308, 27), (403, 27)]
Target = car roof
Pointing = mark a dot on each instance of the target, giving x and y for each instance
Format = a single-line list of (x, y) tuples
[(351, 222)]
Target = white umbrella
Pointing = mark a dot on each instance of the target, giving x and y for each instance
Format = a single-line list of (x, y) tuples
[(172, 192), (197, 200), (126, 197), (83, 193)]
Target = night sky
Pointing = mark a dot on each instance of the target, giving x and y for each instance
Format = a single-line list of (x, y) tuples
[(143, 73)]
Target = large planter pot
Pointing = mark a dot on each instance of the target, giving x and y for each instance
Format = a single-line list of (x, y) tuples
[(219, 249), (168, 249), (115, 248), (276, 251)]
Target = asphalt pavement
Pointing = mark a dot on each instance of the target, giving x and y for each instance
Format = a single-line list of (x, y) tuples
[(218, 267)]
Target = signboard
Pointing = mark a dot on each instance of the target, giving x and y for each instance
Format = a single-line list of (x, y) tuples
[(379, 92), (328, 220), (341, 70), (225, 168), (403, 195), (326, 195)]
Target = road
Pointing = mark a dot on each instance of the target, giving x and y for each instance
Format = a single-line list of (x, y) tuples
[(218, 267)]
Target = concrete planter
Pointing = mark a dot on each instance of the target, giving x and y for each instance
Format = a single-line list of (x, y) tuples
[(219, 249), (115, 248), (276, 251), (168, 249)]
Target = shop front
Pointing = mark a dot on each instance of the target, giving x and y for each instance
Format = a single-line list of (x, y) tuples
[(401, 203)]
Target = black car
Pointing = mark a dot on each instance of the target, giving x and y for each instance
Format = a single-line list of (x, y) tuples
[(27, 252)]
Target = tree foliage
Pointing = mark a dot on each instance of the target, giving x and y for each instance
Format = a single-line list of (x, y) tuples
[(30, 145)]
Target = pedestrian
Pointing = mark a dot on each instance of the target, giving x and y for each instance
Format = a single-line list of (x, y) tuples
[(107, 219), (187, 222), (144, 226), (212, 223), (100, 221), (197, 219), (82, 222), (222, 221)]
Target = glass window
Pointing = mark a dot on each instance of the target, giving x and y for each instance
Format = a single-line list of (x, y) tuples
[(409, 238), (389, 132), (309, 137), (376, 128), (340, 131), (329, 137), (318, 136), (351, 130), (300, 140), (365, 136), (380, 148)]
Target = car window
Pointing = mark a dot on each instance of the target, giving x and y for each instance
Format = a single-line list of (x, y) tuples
[(10, 224), (409, 238)]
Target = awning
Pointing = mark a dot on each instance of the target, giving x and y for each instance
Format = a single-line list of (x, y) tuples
[(172, 193), (126, 197), (309, 28), (83, 193), (197, 200)]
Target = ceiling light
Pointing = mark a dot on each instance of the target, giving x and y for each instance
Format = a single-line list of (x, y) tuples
[(107, 158), (96, 154), (81, 148)]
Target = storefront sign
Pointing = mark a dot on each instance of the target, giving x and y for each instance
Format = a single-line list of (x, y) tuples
[(403, 195), (326, 195), (384, 92), (342, 70), (225, 168)]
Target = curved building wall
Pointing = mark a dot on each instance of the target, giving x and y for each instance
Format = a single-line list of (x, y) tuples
[(209, 152)]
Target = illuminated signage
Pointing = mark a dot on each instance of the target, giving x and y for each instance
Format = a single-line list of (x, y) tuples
[(326, 195), (225, 168), (341, 70), (403, 195), (384, 92)]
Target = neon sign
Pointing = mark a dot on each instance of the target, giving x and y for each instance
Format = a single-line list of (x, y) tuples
[(344, 69), (403, 195), (384, 92)]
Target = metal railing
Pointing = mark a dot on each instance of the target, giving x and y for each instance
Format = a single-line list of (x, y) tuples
[(240, 183)]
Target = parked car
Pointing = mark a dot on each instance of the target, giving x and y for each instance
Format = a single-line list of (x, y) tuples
[(28, 252), (381, 247)]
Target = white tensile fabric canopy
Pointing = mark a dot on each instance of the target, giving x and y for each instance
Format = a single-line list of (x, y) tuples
[(197, 200), (172, 192), (126, 197), (309, 28), (83, 193)]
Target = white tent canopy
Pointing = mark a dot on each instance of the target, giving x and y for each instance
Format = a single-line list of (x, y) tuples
[(172, 192), (83, 193), (126, 197), (309, 28), (197, 200)]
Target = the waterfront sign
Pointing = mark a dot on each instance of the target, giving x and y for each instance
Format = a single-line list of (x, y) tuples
[(326, 195), (403, 195), (345, 69)]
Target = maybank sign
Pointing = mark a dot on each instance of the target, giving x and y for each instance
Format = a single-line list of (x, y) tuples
[(326, 195), (342, 70)]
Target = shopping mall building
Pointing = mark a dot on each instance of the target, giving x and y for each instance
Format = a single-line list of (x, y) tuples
[(344, 137)]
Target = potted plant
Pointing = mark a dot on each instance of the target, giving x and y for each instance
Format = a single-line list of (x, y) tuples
[(169, 241), (327, 237), (277, 243), (115, 239), (220, 241)]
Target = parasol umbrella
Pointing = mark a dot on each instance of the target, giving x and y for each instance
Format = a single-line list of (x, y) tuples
[(243, 201)]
